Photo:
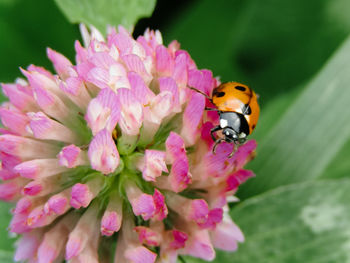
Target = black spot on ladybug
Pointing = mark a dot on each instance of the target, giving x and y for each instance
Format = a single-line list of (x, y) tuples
[(240, 88), (253, 126), (247, 110), (220, 94)]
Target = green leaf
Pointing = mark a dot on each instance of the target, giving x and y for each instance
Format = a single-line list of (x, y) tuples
[(101, 13), (6, 242), (272, 45), (307, 222), (23, 44), (309, 135), (340, 166), (6, 256)]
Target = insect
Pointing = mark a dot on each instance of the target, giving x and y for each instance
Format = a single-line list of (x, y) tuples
[(238, 109)]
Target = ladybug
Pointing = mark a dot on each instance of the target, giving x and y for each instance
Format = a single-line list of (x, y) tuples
[(238, 109)]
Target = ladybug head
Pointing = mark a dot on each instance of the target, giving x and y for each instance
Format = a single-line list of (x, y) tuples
[(232, 136)]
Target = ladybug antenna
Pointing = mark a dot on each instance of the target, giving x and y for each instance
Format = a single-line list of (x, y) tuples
[(201, 92)]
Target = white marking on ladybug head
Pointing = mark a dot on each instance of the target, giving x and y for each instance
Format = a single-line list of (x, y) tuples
[(223, 123)]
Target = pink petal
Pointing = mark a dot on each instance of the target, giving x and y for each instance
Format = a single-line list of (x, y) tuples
[(82, 54), (169, 84), (237, 178), (112, 217), (83, 194), (140, 254), (202, 80), (244, 153), (28, 245), (218, 165), (103, 112), (18, 224), (33, 188), (191, 65), (135, 64), (175, 146), (180, 69), (142, 204), (7, 174), (15, 121), (192, 118), (40, 79), (83, 233), (46, 185), (123, 42), (49, 102), (102, 60), (38, 74), (99, 77), (131, 112), (199, 246), (60, 63), (159, 107), (161, 211), (154, 38), (226, 235), (103, 153), (179, 177), (154, 165), (8, 161), (47, 129), (58, 203), (164, 61), (20, 96), (214, 217), (147, 236), (73, 247), (72, 156), (179, 239), (37, 217), (39, 168), (77, 92), (26, 148), (139, 88), (198, 211), (110, 223), (118, 77), (174, 46), (24, 205), (190, 209), (205, 133), (89, 254), (10, 189)]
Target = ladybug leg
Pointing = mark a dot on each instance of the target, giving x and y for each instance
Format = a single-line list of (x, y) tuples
[(213, 130), (233, 151), (217, 142), (201, 92), (213, 109)]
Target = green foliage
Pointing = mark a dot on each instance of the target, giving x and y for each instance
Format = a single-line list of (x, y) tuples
[(308, 136), (6, 243), (6, 256), (307, 222), (106, 12), (272, 45), (26, 30)]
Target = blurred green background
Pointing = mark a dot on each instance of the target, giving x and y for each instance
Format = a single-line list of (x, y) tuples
[(296, 55)]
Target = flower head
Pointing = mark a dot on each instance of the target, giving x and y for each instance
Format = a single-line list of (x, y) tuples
[(117, 148)]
